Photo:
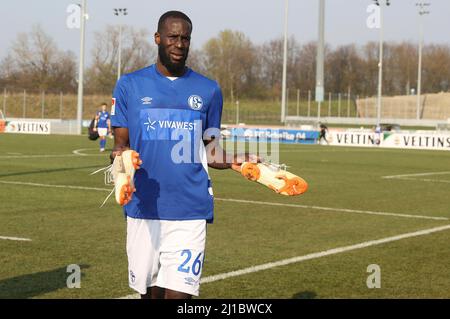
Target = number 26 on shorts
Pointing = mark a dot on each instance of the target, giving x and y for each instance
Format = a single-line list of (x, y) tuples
[(196, 265)]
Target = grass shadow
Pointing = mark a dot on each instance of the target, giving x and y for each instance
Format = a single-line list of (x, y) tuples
[(305, 295), (32, 285)]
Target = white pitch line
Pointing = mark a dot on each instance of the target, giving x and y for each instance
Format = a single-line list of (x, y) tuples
[(419, 174), (47, 156), (297, 259), (15, 238), (423, 180), (331, 209), (79, 152), (57, 186), (345, 210), (38, 156), (323, 254), (75, 153)]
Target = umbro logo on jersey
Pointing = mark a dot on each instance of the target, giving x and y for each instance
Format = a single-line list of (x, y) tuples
[(146, 100), (195, 102)]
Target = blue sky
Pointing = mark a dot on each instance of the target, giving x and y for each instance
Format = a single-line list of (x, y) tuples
[(260, 20)]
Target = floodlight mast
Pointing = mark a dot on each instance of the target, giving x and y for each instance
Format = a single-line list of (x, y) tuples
[(422, 12), (380, 63), (120, 12), (319, 95), (81, 68), (283, 85)]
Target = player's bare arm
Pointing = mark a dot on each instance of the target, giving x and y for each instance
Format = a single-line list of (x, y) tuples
[(121, 141), (218, 158), (250, 166)]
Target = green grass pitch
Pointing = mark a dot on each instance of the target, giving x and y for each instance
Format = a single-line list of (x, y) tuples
[(341, 208)]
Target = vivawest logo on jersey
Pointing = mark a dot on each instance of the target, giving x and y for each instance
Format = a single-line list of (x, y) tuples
[(170, 125)]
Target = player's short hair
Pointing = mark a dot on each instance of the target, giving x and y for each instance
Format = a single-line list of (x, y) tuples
[(104, 103), (173, 14)]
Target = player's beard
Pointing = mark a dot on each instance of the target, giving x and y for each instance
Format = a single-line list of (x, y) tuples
[(173, 68)]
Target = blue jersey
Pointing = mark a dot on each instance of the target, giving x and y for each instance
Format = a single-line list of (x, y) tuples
[(103, 118), (167, 122)]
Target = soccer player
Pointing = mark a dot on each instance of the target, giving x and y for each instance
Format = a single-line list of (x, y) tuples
[(323, 133), (102, 125), (171, 116)]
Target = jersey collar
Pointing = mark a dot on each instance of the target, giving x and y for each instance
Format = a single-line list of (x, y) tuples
[(159, 74)]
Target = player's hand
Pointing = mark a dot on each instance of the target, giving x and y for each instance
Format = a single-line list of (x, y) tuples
[(94, 129), (117, 151), (241, 158)]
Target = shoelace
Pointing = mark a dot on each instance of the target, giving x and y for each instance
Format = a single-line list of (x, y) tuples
[(109, 180), (275, 166)]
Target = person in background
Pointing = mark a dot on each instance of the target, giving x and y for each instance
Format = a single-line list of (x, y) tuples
[(323, 133), (102, 125)]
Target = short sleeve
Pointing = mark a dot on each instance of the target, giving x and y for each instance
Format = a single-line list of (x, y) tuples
[(119, 108), (214, 113)]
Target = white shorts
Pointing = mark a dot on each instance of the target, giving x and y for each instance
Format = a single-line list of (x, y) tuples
[(102, 131), (165, 253)]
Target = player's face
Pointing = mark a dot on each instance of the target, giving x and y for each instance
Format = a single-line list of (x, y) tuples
[(173, 44), (103, 108)]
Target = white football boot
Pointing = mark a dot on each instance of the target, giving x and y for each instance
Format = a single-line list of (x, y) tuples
[(122, 171)]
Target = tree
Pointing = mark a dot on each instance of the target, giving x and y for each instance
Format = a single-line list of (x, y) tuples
[(271, 70), (196, 61), (8, 71), (307, 66), (343, 69), (230, 59), (436, 68), (369, 69), (403, 67), (34, 62), (241, 68), (137, 53)]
